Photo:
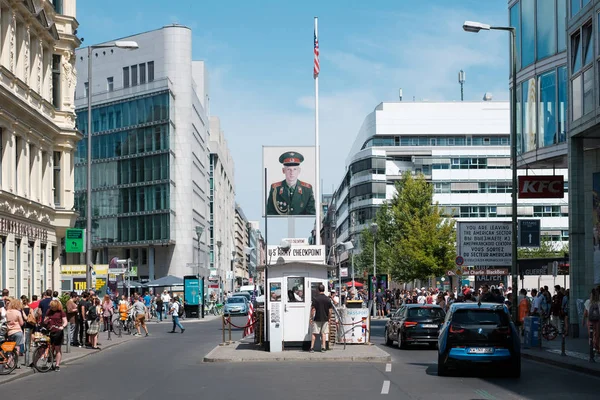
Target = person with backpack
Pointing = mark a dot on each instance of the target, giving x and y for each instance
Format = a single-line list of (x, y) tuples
[(591, 315)]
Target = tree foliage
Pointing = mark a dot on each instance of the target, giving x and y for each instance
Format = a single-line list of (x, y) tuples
[(547, 249), (414, 240)]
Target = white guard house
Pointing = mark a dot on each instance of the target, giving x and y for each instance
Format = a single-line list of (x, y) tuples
[(292, 277)]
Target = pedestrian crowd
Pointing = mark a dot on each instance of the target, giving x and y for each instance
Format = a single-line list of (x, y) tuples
[(83, 317)]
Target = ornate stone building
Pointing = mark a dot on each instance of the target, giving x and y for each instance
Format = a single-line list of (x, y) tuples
[(38, 140)]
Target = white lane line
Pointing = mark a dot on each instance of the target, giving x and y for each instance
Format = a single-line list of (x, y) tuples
[(388, 367), (386, 387)]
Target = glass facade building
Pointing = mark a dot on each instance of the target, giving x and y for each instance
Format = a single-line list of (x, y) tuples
[(542, 84), (130, 174)]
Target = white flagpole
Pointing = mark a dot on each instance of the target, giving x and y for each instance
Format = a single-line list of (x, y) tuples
[(317, 154)]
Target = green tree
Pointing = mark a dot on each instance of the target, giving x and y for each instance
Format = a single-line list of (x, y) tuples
[(415, 240)]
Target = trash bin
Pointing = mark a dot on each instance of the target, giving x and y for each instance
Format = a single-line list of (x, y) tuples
[(531, 331)]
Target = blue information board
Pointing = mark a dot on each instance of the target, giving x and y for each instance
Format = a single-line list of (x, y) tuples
[(192, 291)]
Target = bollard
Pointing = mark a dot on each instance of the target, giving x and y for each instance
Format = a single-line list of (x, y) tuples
[(562, 346), (223, 327), (109, 328)]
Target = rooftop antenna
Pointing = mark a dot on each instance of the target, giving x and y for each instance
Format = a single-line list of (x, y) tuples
[(461, 80), (400, 94)]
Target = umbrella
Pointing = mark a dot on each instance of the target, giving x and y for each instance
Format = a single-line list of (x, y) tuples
[(357, 284), (168, 280)]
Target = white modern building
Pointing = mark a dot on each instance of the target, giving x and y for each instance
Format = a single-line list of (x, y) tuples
[(222, 207), (38, 141), (242, 241), (150, 156), (461, 147)]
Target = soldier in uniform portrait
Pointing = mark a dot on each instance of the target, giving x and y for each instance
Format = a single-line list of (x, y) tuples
[(291, 196)]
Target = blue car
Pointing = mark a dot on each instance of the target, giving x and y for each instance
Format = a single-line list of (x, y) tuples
[(236, 305), (479, 334)]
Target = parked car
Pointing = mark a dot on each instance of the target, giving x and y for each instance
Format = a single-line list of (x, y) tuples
[(414, 323), (479, 334), (236, 305)]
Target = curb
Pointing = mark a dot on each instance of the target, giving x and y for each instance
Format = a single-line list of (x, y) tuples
[(562, 364), (212, 358), (32, 371)]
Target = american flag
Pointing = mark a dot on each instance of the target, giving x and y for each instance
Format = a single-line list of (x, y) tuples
[(317, 67), (250, 329)]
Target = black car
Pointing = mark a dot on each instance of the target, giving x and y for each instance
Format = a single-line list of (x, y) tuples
[(415, 323)]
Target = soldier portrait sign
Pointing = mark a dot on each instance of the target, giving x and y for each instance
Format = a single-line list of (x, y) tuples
[(290, 181)]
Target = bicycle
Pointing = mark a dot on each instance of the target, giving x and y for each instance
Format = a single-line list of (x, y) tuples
[(43, 356), (126, 325), (214, 308), (9, 358)]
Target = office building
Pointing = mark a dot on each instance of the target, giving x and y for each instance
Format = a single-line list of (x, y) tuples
[(222, 207), (462, 148), (583, 148), (253, 253), (242, 241), (38, 140), (150, 153)]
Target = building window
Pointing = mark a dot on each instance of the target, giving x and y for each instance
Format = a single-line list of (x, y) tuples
[(562, 104), (561, 18), (134, 75), (576, 98), (86, 89), (56, 98), (142, 73), (575, 7), (588, 91), (546, 211), (546, 29), (150, 71), (588, 40), (125, 77), (529, 115), (56, 177), (110, 86), (58, 6), (547, 109), (527, 32), (515, 23), (576, 52)]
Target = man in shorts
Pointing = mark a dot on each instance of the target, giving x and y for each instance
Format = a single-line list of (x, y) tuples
[(320, 313), (139, 310)]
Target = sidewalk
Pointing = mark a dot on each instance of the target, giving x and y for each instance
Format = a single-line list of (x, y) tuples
[(577, 356), (75, 353)]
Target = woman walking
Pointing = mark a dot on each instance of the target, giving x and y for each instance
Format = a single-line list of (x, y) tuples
[(15, 322), (107, 312), (56, 321)]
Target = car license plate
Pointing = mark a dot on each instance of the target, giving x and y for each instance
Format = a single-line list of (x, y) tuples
[(430, 326), (481, 350)]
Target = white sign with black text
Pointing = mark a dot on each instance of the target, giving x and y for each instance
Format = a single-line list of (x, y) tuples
[(485, 243), (299, 253)]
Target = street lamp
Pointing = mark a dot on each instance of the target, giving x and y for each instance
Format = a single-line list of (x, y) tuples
[(475, 27), (120, 44), (374, 228)]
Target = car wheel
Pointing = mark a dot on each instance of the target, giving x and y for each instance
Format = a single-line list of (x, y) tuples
[(388, 341), (442, 369), (401, 343)]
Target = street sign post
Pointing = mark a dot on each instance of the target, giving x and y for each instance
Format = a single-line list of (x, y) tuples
[(529, 232), (75, 240)]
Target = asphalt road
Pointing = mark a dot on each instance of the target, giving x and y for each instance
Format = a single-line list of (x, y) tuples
[(170, 366)]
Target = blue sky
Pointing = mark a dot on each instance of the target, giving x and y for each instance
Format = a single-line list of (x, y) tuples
[(259, 59)]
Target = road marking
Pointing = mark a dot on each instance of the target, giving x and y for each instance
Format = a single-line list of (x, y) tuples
[(388, 367), (386, 387)]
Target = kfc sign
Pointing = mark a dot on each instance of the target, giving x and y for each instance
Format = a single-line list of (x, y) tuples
[(541, 187)]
